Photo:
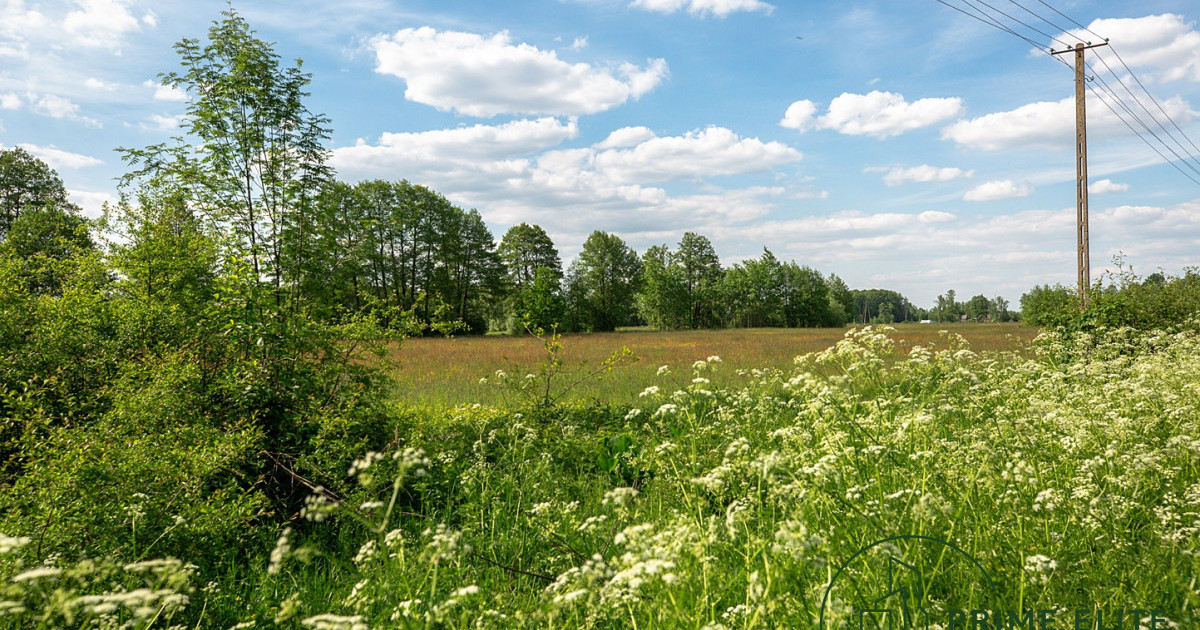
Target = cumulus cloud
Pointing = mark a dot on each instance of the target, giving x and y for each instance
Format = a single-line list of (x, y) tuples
[(625, 137), (1002, 189), (712, 151), (719, 8), (512, 173), (443, 149), (58, 158), (1046, 124), (1106, 186), (486, 76), (166, 92), (1165, 46), (877, 114), (163, 122), (10, 101), (935, 216), (17, 22), (923, 173), (800, 115), (102, 23), (55, 106), (92, 83), (92, 203)]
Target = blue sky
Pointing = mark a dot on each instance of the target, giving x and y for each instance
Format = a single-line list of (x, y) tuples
[(901, 145)]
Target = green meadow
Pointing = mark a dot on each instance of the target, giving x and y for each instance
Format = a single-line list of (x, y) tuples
[(437, 372)]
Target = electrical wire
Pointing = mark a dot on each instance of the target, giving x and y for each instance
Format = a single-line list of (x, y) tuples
[(1105, 92), (1134, 130)]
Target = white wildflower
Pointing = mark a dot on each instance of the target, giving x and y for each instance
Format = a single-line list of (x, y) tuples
[(283, 546), (619, 496), (1039, 568), (336, 622), (9, 544), (37, 573), (667, 409)]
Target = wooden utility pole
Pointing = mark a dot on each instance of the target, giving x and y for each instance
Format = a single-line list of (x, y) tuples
[(1083, 257)]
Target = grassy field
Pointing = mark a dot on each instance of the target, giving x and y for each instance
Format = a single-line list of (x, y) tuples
[(436, 372)]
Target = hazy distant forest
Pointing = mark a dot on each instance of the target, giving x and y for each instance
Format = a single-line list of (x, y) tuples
[(199, 431)]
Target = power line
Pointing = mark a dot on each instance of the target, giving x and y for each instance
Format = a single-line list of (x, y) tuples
[(1057, 27), (1154, 118), (1141, 85), (994, 23), (1187, 156), (1154, 100), (1068, 18), (1134, 130)]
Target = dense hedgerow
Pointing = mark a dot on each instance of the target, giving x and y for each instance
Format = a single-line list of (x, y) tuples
[(1071, 476), (1120, 300)]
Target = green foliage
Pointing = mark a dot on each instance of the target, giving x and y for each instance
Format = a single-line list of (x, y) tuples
[(526, 248), (663, 299), (1046, 305), (617, 458), (604, 280), (735, 505), (45, 242), (767, 292), (255, 160), (397, 245), (539, 304), (540, 390), (841, 301), (170, 395), (702, 273), (27, 184), (1158, 302)]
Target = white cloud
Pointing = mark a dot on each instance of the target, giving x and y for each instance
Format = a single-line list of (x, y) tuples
[(16, 24), (1047, 124), (58, 158), (922, 173), (800, 115), (101, 23), (1002, 189), (92, 83), (625, 137), (1164, 45), (580, 43), (163, 122), (92, 203), (506, 172), (1106, 186), (877, 114), (719, 8), (486, 76), (55, 106), (712, 151), (8, 100), (166, 92), (470, 147), (934, 216)]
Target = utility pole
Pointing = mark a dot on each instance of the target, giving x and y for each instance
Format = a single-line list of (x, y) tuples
[(1083, 257)]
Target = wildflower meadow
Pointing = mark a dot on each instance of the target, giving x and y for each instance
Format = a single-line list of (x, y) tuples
[(1069, 473)]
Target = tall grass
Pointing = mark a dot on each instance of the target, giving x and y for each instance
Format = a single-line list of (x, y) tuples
[(440, 373), (1071, 475)]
